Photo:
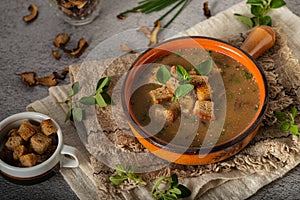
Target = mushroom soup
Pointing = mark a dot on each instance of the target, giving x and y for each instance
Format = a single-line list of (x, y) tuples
[(178, 94)]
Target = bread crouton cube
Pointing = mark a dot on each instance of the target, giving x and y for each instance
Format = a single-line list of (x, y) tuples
[(204, 110), (48, 127), (28, 160), (13, 142), (19, 151), (198, 80), (171, 115), (173, 71), (203, 92), (187, 103), (26, 130), (160, 94), (13, 132), (172, 84), (40, 143)]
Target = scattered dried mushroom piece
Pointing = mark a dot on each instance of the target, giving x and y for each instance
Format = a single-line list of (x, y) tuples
[(33, 15), (27, 145), (81, 46), (55, 54), (29, 78), (151, 35), (206, 10), (61, 40), (125, 48)]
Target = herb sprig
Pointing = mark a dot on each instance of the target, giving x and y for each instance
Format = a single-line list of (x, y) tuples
[(172, 189), (100, 98), (288, 121), (259, 10), (149, 6), (124, 173), (163, 75)]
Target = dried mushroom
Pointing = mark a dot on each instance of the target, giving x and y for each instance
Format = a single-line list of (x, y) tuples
[(55, 54), (48, 80), (206, 10), (125, 48), (81, 46), (33, 15), (28, 78), (61, 40), (78, 3), (152, 35)]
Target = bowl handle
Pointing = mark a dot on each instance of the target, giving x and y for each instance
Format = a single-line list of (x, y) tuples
[(69, 157), (259, 40)]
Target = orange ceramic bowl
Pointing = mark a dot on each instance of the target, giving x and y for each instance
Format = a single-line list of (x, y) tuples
[(199, 155)]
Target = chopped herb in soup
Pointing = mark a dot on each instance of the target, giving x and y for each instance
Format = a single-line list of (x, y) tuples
[(178, 94)]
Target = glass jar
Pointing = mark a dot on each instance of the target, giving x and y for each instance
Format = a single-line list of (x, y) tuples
[(77, 12)]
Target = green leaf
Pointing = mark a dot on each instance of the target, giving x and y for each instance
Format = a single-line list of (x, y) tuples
[(277, 3), (69, 115), (257, 10), (285, 126), (107, 98), (100, 101), (294, 130), (185, 192), (246, 20), (256, 2), (182, 90), (77, 114), (282, 117), (294, 111), (88, 100), (157, 183), (174, 179), (117, 180), (182, 74), (103, 84), (175, 191), (163, 75), (74, 89), (266, 20), (204, 68)]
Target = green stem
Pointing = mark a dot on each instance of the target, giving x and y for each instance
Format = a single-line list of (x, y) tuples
[(179, 11)]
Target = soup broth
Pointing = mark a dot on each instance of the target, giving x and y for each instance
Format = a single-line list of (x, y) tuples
[(165, 119)]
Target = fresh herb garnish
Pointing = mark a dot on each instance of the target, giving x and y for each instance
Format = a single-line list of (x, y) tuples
[(163, 75), (288, 121), (101, 98), (124, 173), (182, 90), (259, 10), (74, 113), (174, 190), (182, 74), (149, 6), (247, 75), (205, 67)]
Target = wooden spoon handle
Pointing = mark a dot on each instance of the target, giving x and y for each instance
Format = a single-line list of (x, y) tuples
[(259, 40)]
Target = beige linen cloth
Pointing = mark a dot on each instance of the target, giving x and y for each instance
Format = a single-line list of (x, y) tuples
[(269, 156)]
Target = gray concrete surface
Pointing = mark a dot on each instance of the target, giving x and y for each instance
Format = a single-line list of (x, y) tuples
[(27, 47)]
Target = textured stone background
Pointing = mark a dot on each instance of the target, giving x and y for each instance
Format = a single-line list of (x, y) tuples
[(27, 47)]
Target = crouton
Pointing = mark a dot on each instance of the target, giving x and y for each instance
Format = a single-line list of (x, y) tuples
[(204, 110), (19, 151), (13, 142), (40, 143), (198, 80), (13, 132), (192, 71), (48, 127), (172, 84), (28, 160), (203, 90), (160, 94), (187, 103), (173, 71), (171, 115), (26, 130)]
